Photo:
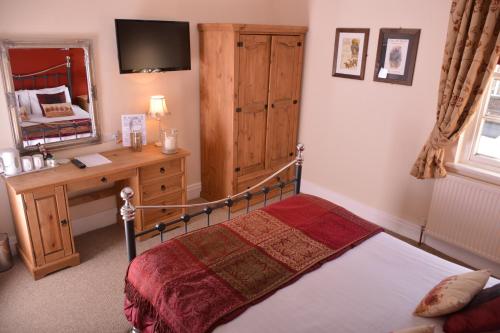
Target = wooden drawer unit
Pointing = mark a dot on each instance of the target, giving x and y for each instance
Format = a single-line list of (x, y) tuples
[(162, 214), (40, 206), (162, 186), (167, 168), (100, 180)]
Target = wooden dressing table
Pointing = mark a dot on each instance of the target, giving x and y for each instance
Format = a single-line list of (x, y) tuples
[(40, 201)]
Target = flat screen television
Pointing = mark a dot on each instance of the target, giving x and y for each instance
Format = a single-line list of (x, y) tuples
[(152, 46)]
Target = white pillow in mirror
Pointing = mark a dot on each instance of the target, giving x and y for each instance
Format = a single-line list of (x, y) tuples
[(35, 106), (23, 99)]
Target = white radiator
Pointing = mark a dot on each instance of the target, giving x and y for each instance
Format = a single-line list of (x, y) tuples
[(466, 213)]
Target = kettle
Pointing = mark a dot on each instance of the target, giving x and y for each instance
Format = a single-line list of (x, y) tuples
[(10, 161)]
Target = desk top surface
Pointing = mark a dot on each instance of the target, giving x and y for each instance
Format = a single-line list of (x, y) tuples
[(121, 159)]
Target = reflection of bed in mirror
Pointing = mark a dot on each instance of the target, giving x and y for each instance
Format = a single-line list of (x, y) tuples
[(50, 92), (48, 79)]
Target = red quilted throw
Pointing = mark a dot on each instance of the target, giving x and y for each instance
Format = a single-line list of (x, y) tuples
[(196, 281)]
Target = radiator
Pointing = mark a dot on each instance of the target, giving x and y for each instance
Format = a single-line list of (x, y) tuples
[(466, 213)]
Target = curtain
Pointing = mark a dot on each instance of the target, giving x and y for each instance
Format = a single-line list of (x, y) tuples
[(471, 53)]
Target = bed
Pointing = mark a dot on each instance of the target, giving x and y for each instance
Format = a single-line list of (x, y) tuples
[(35, 126), (372, 281)]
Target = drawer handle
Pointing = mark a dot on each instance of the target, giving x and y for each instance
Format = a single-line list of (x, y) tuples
[(163, 210), (163, 187), (64, 222), (162, 170), (104, 180)]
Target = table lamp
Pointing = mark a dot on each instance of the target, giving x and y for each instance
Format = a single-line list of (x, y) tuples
[(157, 109)]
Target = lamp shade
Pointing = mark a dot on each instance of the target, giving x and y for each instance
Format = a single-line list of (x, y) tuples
[(157, 106)]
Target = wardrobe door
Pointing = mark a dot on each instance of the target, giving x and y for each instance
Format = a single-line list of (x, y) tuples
[(284, 88), (251, 115)]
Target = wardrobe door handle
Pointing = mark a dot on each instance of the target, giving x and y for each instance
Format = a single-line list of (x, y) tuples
[(162, 170), (163, 187), (272, 105), (104, 180), (64, 222)]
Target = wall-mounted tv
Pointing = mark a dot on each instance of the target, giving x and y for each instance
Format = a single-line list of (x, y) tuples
[(152, 46)]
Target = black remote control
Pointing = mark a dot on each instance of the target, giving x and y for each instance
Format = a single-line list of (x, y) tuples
[(78, 164)]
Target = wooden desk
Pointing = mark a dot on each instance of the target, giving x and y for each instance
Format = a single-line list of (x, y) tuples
[(40, 205)]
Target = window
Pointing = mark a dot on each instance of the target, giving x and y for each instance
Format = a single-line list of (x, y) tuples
[(481, 141)]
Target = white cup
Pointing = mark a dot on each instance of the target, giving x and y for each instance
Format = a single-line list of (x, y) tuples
[(27, 163), (38, 161)]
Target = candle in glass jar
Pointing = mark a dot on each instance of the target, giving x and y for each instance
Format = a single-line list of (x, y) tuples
[(170, 144)]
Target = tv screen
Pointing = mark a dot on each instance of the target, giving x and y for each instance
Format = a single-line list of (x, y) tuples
[(152, 46)]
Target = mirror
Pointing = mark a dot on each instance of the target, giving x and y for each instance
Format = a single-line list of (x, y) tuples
[(50, 93)]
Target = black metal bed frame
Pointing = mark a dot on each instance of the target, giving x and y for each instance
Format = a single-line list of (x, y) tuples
[(45, 75), (128, 210), (33, 77)]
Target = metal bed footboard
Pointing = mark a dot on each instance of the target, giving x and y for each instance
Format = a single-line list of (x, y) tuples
[(128, 210)]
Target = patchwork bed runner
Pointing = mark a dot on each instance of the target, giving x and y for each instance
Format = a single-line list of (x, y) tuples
[(207, 277)]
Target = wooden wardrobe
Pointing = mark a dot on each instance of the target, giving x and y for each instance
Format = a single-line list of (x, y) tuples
[(250, 82)]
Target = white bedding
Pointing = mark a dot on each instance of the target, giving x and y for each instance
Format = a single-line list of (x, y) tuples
[(372, 288), (35, 119)]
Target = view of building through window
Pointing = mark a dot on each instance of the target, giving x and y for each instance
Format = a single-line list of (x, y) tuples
[(489, 139)]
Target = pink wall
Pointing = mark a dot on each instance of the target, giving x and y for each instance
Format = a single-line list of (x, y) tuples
[(362, 137), (122, 94)]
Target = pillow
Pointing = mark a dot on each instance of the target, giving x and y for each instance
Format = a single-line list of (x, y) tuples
[(56, 98), (57, 110), (452, 294), (35, 105), (417, 329), (23, 99), (482, 318), (23, 113), (485, 295)]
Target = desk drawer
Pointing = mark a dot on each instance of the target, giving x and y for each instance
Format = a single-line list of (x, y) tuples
[(161, 187), (166, 168), (100, 180), (163, 214)]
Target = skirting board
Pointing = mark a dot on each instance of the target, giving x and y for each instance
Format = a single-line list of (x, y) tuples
[(193, 191), (398, 225)]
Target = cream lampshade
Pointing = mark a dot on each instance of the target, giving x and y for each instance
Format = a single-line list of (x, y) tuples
[(157, 109)]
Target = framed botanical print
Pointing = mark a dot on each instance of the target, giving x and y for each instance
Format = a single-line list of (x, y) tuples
[(349, 57), (396, 55)]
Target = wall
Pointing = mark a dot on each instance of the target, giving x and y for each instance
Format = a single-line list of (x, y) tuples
[(362, 137), (121, 94)]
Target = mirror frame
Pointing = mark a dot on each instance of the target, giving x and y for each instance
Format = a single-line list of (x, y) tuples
[(86, 45)]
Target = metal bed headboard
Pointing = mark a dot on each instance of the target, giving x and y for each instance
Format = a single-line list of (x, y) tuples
[(45, 75), (128, 210)]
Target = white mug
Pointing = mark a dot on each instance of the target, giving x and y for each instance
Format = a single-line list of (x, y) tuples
[(27, 163), (38, 161)]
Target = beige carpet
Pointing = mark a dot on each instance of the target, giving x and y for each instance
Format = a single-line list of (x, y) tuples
[(85, 298)]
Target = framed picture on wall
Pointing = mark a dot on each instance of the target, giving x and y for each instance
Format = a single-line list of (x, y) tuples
[(349, 57), (396, 55)]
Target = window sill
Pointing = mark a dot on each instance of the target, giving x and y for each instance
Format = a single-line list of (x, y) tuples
[(487, 176)]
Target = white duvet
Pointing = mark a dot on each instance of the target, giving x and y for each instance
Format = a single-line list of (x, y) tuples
[(35, 119), (372, 288)]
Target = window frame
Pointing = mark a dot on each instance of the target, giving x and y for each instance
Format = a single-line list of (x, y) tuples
[(469, 141)]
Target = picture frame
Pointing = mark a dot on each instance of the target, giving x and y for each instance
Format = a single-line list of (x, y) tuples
[(133, 122), (349, 56), (396, 55)]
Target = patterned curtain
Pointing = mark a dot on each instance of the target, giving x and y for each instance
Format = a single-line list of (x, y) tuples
[(471, 53)]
